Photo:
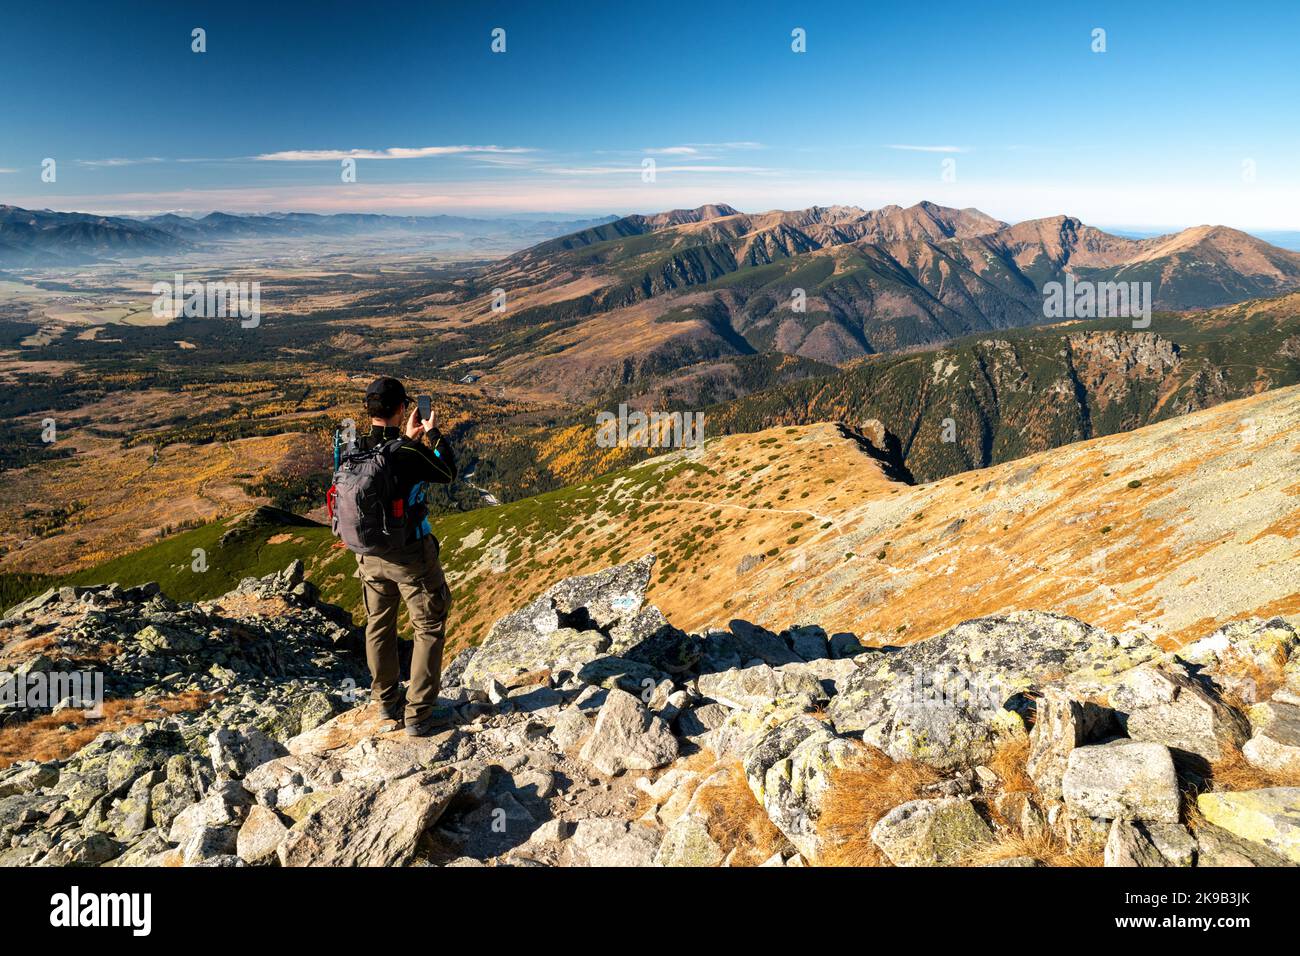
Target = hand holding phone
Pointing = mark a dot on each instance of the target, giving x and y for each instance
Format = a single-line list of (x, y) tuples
[(424, 408)]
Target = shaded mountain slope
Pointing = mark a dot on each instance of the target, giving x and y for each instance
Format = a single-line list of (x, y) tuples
[(983, 400)]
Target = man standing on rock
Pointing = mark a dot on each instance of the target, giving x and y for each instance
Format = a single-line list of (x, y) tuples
[(378, 508)]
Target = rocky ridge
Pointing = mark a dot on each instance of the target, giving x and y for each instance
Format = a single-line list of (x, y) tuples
[(591, 731)]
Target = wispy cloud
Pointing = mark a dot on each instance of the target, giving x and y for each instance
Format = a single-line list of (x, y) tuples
[(929, 149), (700, 150), (637, 170), (120, 161), (393, 152), (743, 144)]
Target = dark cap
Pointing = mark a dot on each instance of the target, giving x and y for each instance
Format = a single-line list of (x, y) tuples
[(386, 393), (388, 389)]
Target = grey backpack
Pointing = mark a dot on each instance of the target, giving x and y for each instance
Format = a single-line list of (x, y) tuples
[(366, 510)]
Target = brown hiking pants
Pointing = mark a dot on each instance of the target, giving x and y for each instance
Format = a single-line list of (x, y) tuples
[(416, 578)]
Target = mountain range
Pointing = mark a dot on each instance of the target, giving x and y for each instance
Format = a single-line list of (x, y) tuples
[(43, 238), (711, 284)]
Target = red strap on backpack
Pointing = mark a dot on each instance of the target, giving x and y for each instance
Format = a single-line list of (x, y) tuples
[(330, 496)]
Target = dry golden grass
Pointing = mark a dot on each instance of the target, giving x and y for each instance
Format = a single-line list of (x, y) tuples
[(55, 736), (858, 797), (22, 651), (1046, 847), (1267, 682), (1009, 763), (1231, 773), (1234, 773), (702, 762), (737, 822), (734, 818), (1192, 816)]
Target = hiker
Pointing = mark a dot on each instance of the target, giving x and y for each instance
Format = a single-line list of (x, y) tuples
[(377, 506)]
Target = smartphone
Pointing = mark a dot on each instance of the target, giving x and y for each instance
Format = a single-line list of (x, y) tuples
[(425, 404)]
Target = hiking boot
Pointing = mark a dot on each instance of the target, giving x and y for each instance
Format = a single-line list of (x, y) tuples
[(436, 720), (394, 711)]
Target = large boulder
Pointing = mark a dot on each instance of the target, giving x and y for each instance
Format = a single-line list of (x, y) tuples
[(740, 730), (1128, 845), (935, 832), (25, 778), (951, 699), (1275, 745), (185, 783), (151, 849), (1216, 847), (1061, 724), (1171, 840), (158, 638), (1130, 780), (612, 842), (749, 687), (613, 671), (701, 719), (371, 824), (234, 752), (789, 770), (688, 842), (571, 725), (627, 736), (304, 712), (32, 604), (1169, 707), (129, 817), (1269, 817), (571, 624), (260, 836), (224, 807), (1143, 844), (809, 642), (207, 843), (356, 747), (741, 645)]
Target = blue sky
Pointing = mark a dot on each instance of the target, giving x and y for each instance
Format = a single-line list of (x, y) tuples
[(1189, 116)]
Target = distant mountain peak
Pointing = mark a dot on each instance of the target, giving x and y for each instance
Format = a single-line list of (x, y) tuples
[(679, 217)]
